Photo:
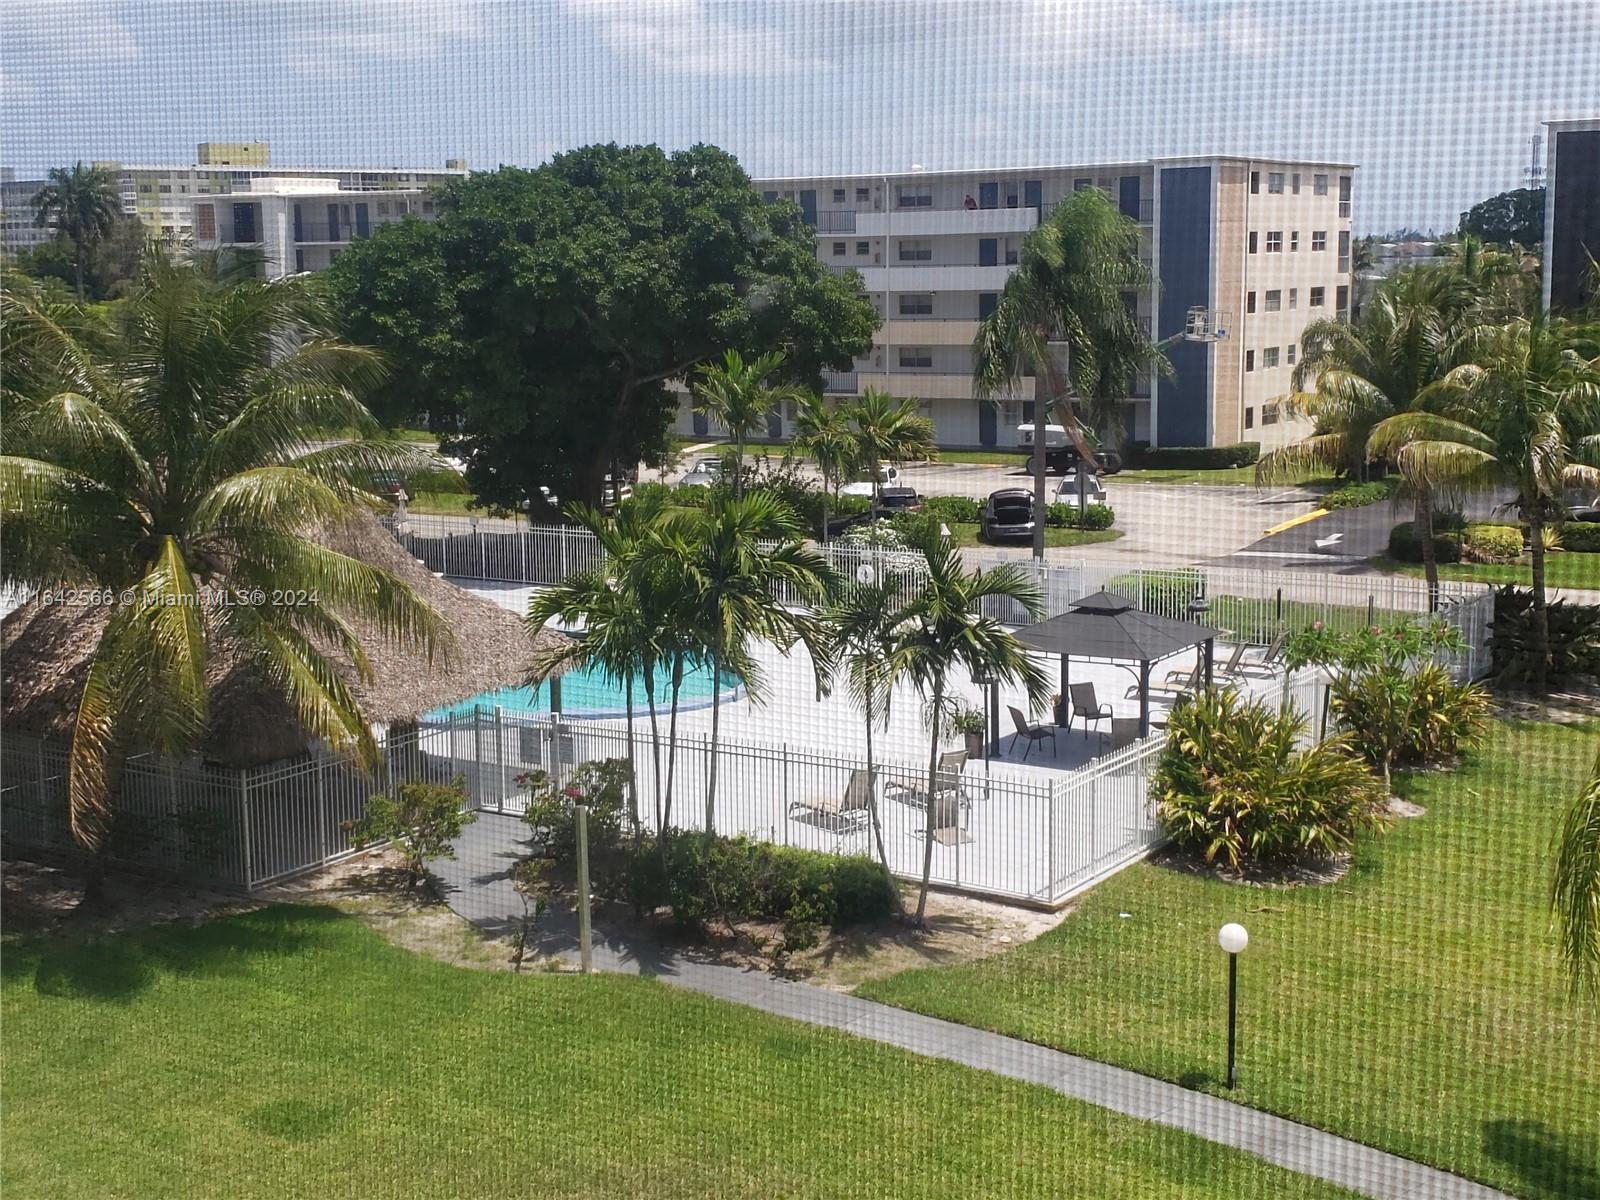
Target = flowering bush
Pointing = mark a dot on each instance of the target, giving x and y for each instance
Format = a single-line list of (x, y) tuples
[(602, 785)]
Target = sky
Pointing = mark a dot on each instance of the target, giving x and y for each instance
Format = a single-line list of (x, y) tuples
[(1434, 100)]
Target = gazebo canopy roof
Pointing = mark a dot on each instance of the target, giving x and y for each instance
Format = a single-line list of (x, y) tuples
[(1108, 626)]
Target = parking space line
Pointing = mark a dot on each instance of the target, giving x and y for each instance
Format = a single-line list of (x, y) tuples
[(1300, 520)]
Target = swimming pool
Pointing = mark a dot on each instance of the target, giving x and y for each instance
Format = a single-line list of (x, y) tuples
[(593, 692)]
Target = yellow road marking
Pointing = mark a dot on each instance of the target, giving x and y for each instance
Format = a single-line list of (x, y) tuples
[(1300, 520)]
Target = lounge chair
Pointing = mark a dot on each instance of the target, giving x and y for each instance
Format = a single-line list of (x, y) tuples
[(840, 812), (1085, 705), (948, 800), (1270, 662), (1235, 663), (1034, 733), (1172, 688)]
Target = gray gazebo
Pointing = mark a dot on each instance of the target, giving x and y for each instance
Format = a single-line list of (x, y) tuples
[(1107, 627)]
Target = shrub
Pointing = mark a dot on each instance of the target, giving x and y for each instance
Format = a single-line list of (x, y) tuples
[(1405, 546), (1166, 592), (603, 786), (1093, 516), (1230, 784), (1241, 454), (1491, 543), (953, 509), (436, 479), (1355, 495), (1449, 716), (1581, 537), (421, 819), (1574, 637)]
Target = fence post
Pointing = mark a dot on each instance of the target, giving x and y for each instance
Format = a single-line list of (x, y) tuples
[(563, 554), (522, 542), (500, 754), (584, 951), (322, 807), (477, 752), (244, 827), (1050, 854)]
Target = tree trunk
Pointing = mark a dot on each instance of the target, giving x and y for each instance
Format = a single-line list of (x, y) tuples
[(1430, 558), (716, 717), (738, 465), (77, 268), (655, 738), (1541, 620), (633, 774), (1040, 500), (933, 791), (872, 809), (672, 743)]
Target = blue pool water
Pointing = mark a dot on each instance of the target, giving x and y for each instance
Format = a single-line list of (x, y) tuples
[(593, 692)]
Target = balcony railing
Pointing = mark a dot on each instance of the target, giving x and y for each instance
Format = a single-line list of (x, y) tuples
[(1146, 211), (839, 382), (836, 220)]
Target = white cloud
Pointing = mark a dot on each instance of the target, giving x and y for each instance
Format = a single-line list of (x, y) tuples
[(689, 37), (37, 36)]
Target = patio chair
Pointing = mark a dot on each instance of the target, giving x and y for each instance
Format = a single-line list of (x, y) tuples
[(1086, 706), (1270, 661), (1235, 663), (839, 812), (1034, 733), (949, 798), (1124, 732), (1172, 688)]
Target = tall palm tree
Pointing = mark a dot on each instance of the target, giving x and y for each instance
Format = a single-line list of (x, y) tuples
[(164, 461), (823, 432), (741, 566), (889, 429), (1067, 291), (1575, 887), (942, 630), (1522, 410), (739, 395), (82, 205)]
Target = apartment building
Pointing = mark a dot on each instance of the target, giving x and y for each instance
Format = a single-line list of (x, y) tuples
[(299, 224), (17, 230), (162, 195), (1571, 213), (1245, 252)]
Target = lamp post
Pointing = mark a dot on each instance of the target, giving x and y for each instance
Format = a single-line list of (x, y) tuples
[(1233, 939)]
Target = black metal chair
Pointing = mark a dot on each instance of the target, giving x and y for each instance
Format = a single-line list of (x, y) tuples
[(1034, 733), (1085, 705)]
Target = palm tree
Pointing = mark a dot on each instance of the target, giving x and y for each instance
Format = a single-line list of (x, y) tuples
[(82, 204), (1067, 290), (889, 429), (823, 432), (1521, 411), (164, 461), (739, 395), (736, 590), (941, 630), (1575, 888)]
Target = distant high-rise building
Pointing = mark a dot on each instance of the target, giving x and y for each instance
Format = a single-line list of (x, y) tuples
[(1571, 212)]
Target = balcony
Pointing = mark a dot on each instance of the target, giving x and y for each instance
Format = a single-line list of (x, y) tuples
[(927, 331), (839, 383), (931, 222), (837, 220), (931, 277), (1147, 212), (933, 385)]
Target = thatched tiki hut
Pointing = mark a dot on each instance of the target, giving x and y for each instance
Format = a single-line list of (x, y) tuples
[(45, 653)]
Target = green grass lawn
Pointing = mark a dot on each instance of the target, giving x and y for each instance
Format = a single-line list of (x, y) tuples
[(293, 1052), (1560, 570), (1218, 476), (965, 533), (1418, 1004), (448, 503)]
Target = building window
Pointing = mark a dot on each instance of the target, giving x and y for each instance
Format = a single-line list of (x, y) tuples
[(861, 195), (205, 222), (838, 249), (916, 356), (862, 249), (1269, 414), (144, 187), (1344, 195), (299, 260), (383, 208), (1249, 360), (1255, 183), (1288, 353), (1344, 250), (1252, 241), (1341, 298), (838, 195), (1319, 185), (1249, 418), (986, 303), (1294, 183), (427, 206), (1317, 295), (1294, 298), (1294, 241), (1275, 183), (1011, 252), (1081, 185), (916, 250), (1269, 358), (916, 304), (1274, 241), (1319, 239), (913, 195), (1274, 300), (1249, 302)]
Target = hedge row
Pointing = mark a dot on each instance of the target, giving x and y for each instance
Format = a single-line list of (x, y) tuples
[(1205, 458), (1355, 495), (1406, 546), (1582, 537)]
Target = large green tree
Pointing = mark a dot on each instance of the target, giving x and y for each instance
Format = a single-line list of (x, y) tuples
[(110, 265), (552, 309), (1510, 218), (81, 204), (163, 461)]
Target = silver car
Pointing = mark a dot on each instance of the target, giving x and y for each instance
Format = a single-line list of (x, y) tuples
[(707, 472), (1094, 491)]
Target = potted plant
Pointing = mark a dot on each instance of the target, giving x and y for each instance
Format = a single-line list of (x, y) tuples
[(970, 723), (1058, 710)]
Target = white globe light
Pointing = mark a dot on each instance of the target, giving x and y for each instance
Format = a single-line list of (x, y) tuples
[(1233, 938), (865, 574)]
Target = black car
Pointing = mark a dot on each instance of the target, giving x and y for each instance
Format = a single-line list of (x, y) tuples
[(1008, 514), (892, 501), (1059, 460)]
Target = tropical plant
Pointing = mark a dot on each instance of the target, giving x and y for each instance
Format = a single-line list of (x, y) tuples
[(603, 787), (740, 396), (889, 430), (1522, 410), (1575, 887), (734, 591), (1572, 636), (164, 462), (421, 820), (822, 432), (1230, 784), (82, 205), (1068, 290), (943, 629)]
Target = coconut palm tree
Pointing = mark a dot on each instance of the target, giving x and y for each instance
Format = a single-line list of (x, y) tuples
[(735, 588), (1522, 410), (1067, 291), (164, 463), (889, 429), (739, 395), (943, 630), (822, 431), (1575, 888), (82, 205)]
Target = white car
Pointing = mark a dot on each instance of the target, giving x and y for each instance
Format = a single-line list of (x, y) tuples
[(1094, 491), (887, 477), (705, 473)]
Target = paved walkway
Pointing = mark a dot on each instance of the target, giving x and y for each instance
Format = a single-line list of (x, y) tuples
[(476, 887)]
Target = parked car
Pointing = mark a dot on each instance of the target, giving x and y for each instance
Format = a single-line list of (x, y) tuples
[(1094, 491), (887, 477), (892, 501), (1584, 512), (1060, 455), (705, 473), (615, 493), (385, 484), (1008, 514)]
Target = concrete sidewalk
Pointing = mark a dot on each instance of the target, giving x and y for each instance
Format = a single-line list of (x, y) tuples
[(476, 886)]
